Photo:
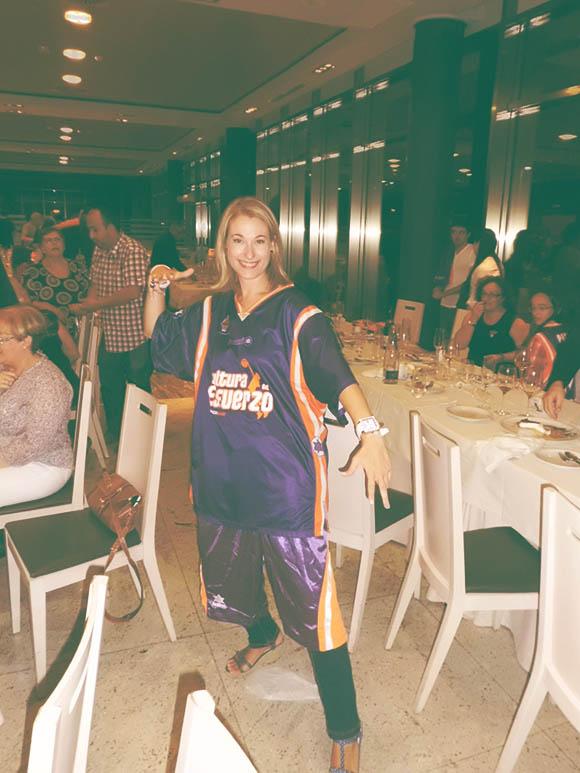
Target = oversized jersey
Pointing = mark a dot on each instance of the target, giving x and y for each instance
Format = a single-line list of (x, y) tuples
[(261, 387)]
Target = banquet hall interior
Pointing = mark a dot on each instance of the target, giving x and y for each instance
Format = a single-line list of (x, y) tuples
[(371, 129)]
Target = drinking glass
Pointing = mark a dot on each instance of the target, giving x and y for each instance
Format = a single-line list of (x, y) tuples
[(439, 342), (531, 383), (404, 333), (522, 360), (506, 381)]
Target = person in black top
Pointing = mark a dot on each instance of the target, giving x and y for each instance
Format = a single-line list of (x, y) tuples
[(165, 247), (566, 364), (491, 327)]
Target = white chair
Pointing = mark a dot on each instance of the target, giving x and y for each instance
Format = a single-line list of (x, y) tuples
[(205, 745), (356, 523), (460, 315), (72, 495), (555, 668), (54, 552), (413, 312), (484, 569), (61, 731)]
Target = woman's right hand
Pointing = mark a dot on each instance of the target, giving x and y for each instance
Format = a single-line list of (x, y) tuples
[(7, 378), (162, 276)]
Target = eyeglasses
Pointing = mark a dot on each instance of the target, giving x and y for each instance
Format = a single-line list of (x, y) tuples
[(3, 339), (491, 295), (541, 308)]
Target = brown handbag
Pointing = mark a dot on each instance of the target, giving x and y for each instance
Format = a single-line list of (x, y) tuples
[(117, 503)]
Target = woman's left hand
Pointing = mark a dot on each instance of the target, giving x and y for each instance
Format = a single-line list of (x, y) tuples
[(371, 455)]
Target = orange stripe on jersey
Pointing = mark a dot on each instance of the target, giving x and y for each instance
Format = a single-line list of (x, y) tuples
[(202, 591), (201, 350), (331, 631), (311, 412), (259, 302)]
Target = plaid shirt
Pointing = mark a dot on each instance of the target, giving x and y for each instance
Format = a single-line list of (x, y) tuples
[(112, 270)]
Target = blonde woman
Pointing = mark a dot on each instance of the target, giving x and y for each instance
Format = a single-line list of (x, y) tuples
[(265, 363), (35, 448)]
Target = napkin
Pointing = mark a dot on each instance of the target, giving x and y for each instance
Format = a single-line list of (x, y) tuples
[(493, 452)]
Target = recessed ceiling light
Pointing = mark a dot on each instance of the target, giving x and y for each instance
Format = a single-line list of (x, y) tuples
[(323, 68), (465, 170), (140, 171), (456, 155), (527, 168), (567, 137), (65, 137), (63, 161), (199, 139), (81, 18), (63, 158), (74, 80), (74, 53), (394, 160), (174, 153), (66, 129), (252, 109)]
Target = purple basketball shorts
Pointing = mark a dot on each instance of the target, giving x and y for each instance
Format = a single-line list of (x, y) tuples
[(300, 573)]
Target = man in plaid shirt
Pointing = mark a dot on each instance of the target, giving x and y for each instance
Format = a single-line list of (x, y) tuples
[(118, 278)]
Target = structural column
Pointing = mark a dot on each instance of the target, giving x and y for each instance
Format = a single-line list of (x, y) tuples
[(436, 66), (238, 165)]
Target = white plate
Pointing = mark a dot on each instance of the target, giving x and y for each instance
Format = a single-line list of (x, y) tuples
[(469, 413), (554, 430), (551, 455)]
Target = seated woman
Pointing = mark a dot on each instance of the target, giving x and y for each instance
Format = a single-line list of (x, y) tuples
[(35, 450), (546, 334), (491, 328)]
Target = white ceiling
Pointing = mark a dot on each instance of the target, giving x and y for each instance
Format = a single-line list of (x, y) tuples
[(178, 70)]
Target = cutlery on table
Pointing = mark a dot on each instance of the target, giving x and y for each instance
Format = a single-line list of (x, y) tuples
[(568, 456)]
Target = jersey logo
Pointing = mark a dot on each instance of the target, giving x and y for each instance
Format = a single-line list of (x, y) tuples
[(240, 392), (225, 326), (217, 602)]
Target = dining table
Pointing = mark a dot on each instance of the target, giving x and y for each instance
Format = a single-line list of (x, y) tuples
[(501, 485)]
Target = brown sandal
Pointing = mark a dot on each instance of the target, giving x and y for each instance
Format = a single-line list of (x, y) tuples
[(244, 665)]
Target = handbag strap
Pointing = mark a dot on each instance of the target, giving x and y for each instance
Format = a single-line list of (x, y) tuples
[(118, 545)]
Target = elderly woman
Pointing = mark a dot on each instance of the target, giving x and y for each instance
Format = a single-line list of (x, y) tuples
[(56, 282), (546, 335), (491, 328), (265, 363), (35, 450)]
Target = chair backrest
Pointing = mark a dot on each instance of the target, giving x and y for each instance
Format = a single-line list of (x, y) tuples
[(413, 312), (141, 451), (60, 736), (460, 315), (349, 511), (438, 507), (206, 746), (559, 614), (81, 435), (94, 341)]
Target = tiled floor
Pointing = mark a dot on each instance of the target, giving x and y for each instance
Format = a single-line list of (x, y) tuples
[(144, 678)]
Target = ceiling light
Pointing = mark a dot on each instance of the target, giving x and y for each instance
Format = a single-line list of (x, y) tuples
[(465, 170), (66, 129), (65, 137), (199, 139), (173, 152), (63, 161), (456, 155), (250, 110), (527, 168), (74, 53), (394, 160), (74, 80), (323, 68), (140, 171), (567, 137), (63, 158), (81, 18)]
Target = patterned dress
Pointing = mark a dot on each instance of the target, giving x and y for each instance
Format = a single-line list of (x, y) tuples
[(44, 287)]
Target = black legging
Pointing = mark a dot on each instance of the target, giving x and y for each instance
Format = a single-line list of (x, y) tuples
[(333, 674)]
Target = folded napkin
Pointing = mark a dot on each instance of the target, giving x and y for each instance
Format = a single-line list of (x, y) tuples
[(496, 450)]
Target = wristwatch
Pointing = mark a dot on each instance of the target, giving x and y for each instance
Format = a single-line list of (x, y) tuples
[(369, 425)]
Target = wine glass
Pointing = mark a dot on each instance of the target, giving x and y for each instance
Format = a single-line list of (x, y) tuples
[(522, 359), (531, 383), (439, 342), (505, 382)]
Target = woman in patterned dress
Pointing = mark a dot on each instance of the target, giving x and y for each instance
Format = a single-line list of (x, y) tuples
[(55, 283)]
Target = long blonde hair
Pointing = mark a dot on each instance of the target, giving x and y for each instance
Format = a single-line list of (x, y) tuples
[(250, 207)]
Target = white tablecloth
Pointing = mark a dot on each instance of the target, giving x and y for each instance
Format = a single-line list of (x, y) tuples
[(508, 496)]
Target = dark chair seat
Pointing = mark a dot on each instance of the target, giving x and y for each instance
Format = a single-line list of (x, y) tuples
[(61, 497), (55, 542), (402, 505), (500, 560)]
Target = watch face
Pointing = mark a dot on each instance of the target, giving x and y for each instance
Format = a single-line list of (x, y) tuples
[(367, 425)]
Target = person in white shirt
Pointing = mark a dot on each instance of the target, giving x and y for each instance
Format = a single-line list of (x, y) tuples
[(447, 293), (486, 264)]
